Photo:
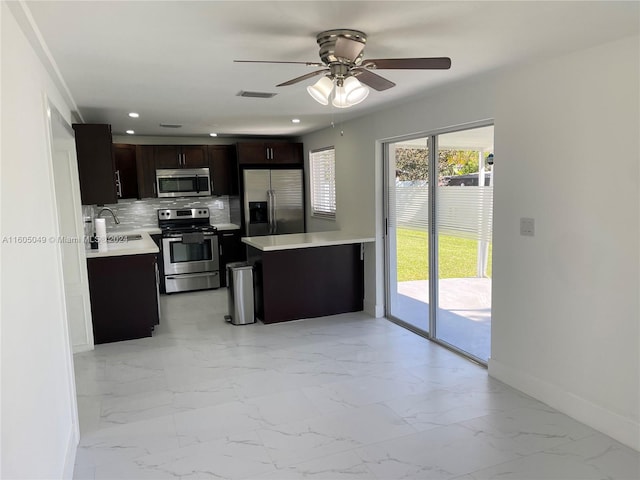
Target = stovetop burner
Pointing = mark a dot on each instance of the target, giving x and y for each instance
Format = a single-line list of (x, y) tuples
[(174, 222)]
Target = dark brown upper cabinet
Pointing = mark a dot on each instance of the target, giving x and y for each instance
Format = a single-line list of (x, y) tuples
[(223, 167), (126, 170), (270, 153), (180, 156), (95, 163), (146, 171)]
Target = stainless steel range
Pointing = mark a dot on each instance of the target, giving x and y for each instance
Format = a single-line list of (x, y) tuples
[(189, 249)]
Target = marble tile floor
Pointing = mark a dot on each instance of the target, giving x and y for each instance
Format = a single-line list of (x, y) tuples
[(342, 397)]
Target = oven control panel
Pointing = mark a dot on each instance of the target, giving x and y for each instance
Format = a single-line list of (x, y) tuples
[(183, 213)]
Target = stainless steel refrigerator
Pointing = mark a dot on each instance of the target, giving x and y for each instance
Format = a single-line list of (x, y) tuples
[(273, 202)]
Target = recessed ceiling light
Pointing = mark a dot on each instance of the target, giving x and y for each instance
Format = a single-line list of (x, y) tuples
[(295, 120), (213, 134), (134, 115), (130, 132)]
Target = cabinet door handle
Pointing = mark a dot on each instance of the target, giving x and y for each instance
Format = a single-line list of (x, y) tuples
[(220, 249), (118, 184), (154, 188)]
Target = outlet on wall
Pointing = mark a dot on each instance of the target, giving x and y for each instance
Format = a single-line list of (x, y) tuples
[(527, 227)]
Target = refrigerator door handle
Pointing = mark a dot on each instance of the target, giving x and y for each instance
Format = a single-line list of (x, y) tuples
[(269, 215), (273, 212)]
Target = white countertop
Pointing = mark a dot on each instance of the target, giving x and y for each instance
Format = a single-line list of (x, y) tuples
[(226, 226), (126, 247), (290, 241)]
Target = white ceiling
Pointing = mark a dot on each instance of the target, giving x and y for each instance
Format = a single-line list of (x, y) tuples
[(172, 61)]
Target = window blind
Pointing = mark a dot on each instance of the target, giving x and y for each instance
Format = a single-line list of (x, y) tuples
[(323, 182)]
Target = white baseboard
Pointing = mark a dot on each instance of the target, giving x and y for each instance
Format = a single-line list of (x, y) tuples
[(82, 348), (70, 457), (622, 429), (374, 310)]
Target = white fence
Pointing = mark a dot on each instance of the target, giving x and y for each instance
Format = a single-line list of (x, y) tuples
[(465, 212)]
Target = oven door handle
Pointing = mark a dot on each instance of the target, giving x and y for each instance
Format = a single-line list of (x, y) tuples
[(178, 238), (192, 275)]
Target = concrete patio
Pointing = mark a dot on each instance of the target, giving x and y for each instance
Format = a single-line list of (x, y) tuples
[(464, 313)]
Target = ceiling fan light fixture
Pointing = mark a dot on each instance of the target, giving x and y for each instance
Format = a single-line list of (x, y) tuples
[(340, 97), (355, 91), (321, 90)]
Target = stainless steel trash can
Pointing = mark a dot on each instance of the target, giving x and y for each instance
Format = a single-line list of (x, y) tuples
[(240, 296)]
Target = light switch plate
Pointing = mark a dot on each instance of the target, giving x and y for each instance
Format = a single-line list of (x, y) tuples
[(527, 227)]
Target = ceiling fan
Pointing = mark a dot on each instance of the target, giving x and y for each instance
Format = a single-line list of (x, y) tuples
[(342, 52)]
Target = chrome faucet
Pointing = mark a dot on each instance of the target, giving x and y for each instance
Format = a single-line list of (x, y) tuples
[(115, 217)]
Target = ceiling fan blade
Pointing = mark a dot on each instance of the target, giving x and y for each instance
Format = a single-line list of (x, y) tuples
[(303, 77), (348, 49), (433, 63), (308, 64), (373, 80)]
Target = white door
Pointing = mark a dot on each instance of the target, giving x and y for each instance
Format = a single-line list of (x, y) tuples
[(71, 228)]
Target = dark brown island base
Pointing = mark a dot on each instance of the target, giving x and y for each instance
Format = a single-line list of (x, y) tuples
[(306, 275)]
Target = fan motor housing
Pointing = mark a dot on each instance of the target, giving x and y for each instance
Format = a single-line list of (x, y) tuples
[(327, 42)]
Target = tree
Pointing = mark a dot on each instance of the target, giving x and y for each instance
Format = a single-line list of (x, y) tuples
[(412, 163)]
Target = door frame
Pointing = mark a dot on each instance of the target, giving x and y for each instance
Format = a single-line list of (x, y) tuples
[(55, 121), (53, 117), (432, 236)]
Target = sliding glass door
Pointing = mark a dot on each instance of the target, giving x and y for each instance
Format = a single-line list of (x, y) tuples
[(408, 227), (439, 237)]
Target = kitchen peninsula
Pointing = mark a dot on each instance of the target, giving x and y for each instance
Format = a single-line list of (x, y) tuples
[(306, 275)]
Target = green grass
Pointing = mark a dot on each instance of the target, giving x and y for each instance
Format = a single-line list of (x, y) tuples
[(457, 258)]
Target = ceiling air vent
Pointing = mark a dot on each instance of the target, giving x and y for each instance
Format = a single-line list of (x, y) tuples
[(170, 125), (243, 93)]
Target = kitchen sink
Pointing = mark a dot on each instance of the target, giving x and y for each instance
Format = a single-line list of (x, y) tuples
[(114, 238)]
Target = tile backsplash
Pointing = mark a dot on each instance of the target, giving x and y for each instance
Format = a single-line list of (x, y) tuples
[(142, 214)]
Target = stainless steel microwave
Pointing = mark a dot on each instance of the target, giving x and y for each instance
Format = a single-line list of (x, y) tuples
[(183, 182)]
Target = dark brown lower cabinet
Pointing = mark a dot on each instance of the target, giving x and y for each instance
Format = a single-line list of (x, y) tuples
[(124, 297), (307, 282), (231, 250)]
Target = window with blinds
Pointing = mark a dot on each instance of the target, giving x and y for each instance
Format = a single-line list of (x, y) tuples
[(322, 164)]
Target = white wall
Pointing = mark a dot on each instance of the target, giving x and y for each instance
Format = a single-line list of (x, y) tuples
[(566, 316), (38, 413), (565, 303)]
